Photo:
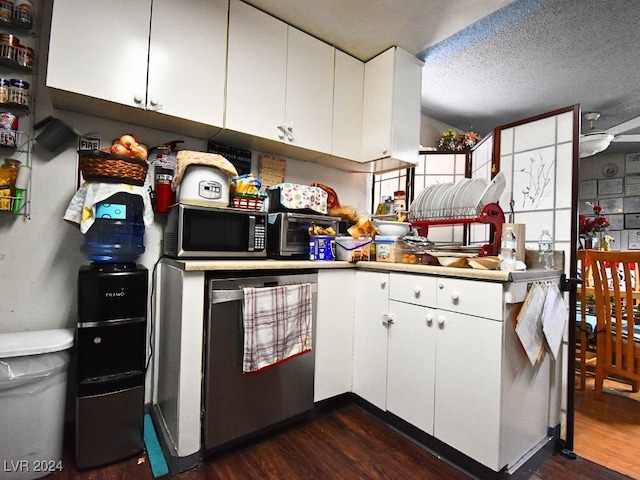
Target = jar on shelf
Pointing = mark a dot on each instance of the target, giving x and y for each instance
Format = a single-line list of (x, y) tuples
[(18, 91), (22, 12), (24, 56), (4, 90), (13, 166), (6, 10), (8, 45)]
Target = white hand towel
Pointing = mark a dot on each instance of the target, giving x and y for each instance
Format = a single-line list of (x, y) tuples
[(277, 324)]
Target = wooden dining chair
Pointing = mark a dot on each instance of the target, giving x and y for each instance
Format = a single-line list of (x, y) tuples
[(615, 283), (585, 325)]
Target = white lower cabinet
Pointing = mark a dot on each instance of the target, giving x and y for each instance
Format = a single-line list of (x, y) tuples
[(334, 333), (370, 337), (411, 364), (442, 354), (468, 385)]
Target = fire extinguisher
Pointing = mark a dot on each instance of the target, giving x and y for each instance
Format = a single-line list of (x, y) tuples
[(165, 165)]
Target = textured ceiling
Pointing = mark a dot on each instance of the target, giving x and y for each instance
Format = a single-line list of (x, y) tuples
[(493, 62)]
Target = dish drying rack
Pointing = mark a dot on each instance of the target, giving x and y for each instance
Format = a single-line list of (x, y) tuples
[(489, 214)]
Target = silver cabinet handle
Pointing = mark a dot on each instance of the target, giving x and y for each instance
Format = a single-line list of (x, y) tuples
[(222, 296), (387, 320)]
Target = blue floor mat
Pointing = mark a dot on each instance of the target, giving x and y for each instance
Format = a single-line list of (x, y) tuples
[(154, 451)]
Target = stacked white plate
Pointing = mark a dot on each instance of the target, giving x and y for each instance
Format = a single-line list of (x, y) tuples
[(463, 199)]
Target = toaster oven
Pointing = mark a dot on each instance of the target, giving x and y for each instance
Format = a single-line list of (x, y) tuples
[(288, 233)]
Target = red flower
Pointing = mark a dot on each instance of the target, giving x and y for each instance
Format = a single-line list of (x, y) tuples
[(593, 225)]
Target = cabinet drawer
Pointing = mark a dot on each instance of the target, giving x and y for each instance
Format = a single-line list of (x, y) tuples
[(414, 289), (481, 299)]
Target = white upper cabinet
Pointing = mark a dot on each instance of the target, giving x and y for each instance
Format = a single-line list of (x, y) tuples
[(391, 112), (309, 110), (279, 81), (347, 106), (256, 72), (147, 54), (187, 58), (97, 50)]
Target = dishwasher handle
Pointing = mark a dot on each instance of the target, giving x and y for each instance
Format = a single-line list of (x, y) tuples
[(224, 296)]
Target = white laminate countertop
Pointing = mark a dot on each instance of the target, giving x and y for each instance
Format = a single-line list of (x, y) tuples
[(271, 264)]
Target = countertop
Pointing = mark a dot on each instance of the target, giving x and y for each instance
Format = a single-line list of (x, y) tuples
[(270, 264)]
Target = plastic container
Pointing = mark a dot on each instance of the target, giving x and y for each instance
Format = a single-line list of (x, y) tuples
[(385, 251), (117, 235), (322, 248), (33, 390), (350, 249), (545, 250), (204, 185), (508, 250)]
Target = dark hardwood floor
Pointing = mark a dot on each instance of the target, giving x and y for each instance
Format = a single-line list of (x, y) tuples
[(341, 443)]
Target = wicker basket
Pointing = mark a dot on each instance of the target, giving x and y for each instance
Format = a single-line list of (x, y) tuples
[(248, 202), (103, 167)]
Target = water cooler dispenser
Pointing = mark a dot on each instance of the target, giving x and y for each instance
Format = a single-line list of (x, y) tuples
[(110, 362)]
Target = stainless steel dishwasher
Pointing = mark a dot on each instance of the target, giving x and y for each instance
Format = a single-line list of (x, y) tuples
[(239, 406)]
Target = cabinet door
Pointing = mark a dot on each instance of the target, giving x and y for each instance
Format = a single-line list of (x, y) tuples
[(100, 49), (391, 113), (256, 72), (347, 106), (334, 333), (378, 105), (467, 388), (185, 79), (411, 364), (370, 337), (309, 96)]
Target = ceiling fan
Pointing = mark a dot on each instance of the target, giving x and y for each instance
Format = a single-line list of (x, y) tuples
[(595, 141)]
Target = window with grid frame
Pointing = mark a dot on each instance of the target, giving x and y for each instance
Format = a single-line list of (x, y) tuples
[(432, 167)]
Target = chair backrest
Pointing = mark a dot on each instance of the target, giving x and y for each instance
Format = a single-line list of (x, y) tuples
[(616, 291)]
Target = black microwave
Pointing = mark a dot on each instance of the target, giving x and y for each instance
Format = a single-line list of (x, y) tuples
[(194, 231)]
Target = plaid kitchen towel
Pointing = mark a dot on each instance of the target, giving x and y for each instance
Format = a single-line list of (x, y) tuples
[(277, 324)]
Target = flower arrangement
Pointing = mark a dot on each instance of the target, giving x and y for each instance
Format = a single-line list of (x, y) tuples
[(597, 224), (452, 140)]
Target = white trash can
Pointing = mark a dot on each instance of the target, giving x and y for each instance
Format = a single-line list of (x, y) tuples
[(33, 391)]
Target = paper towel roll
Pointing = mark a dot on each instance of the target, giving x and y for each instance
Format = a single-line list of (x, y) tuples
[(24, 174), (519, 232)]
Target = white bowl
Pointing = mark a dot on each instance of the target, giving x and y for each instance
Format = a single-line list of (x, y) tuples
[(391, 228)]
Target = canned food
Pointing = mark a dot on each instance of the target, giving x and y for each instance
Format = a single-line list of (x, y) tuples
[(22, 12), (24, 56), (8, 138), (8, 45), (6, 8), (4, 90), (18, 91), (9, 39), (8, 120)]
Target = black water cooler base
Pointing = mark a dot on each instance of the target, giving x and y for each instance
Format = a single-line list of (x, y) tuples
[(110, 363), (109, 427)]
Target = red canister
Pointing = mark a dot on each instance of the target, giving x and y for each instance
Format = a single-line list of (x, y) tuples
[(165, 197)]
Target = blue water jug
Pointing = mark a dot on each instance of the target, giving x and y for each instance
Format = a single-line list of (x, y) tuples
[(117, 234)]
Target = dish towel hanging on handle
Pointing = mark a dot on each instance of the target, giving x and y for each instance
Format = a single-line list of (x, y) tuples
[(277, 325)]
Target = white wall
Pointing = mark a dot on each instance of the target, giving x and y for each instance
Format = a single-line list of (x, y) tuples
[(40, 257)]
